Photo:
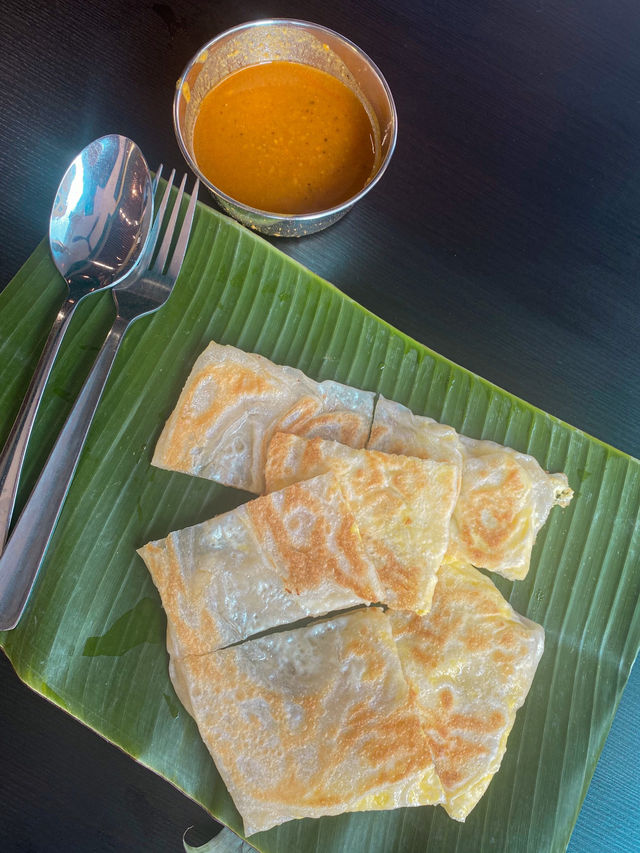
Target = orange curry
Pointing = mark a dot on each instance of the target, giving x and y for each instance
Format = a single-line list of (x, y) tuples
[(285, 138)]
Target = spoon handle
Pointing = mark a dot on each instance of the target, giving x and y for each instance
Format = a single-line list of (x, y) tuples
[(13, 453), (21, 559)]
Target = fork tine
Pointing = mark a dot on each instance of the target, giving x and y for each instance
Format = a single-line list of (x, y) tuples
[(163, 251), (156, 179), (157, 222), (185, 231)]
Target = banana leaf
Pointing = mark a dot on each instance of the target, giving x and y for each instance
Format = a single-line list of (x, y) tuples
[(92, 637)]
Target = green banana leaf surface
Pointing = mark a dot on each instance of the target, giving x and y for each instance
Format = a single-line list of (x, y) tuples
[(92, 638)]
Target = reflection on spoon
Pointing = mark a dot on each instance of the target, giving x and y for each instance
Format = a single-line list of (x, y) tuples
[(99, 223)]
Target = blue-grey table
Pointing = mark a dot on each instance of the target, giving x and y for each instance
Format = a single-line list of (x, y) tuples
[(505, 235)]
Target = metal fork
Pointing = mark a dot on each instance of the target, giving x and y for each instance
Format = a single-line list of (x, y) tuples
[(142, 294)]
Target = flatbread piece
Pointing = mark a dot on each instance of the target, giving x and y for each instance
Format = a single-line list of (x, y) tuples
[(471, 661), (233, 402), (505, 496), (402, 506), (272, 561), (310, 722)]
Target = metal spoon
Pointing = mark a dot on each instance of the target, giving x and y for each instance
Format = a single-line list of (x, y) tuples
[(99, 224)]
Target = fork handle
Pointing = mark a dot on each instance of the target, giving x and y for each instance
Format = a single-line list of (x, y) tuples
[(23, 555), (13, 453)]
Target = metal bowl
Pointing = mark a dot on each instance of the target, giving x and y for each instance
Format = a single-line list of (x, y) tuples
[(297, 41)]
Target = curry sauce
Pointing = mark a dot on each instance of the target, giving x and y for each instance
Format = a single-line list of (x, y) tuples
[(284, 137)]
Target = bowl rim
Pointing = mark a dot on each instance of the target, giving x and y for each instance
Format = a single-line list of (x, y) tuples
[(268, 214)]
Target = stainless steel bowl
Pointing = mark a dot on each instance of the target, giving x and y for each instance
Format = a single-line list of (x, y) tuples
[(298, 41)]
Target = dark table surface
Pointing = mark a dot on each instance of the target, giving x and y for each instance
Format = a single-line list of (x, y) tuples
[(505, 235)]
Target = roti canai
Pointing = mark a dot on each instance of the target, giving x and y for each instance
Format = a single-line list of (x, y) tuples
[(402, 506), (505, 496), (233, 402), (274, 560), (309, 722), (471, 661)]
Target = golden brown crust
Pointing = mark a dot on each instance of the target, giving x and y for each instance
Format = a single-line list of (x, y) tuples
[(192, 420), (309, 722), (312, 536), (471, 661), (198, 628), (505, 496), (228, 402), (320, 720), (493, 519), (504, 500), (274, 560), (233, 401), (402, 506), (340, 413)]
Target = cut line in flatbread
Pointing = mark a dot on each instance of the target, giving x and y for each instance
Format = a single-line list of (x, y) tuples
[(402, 506), (363, 710), (395, 429), (316, 721), (274, 560)]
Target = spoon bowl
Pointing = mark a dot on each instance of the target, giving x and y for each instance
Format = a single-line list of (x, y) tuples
[(100, 222), (101, 214)]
